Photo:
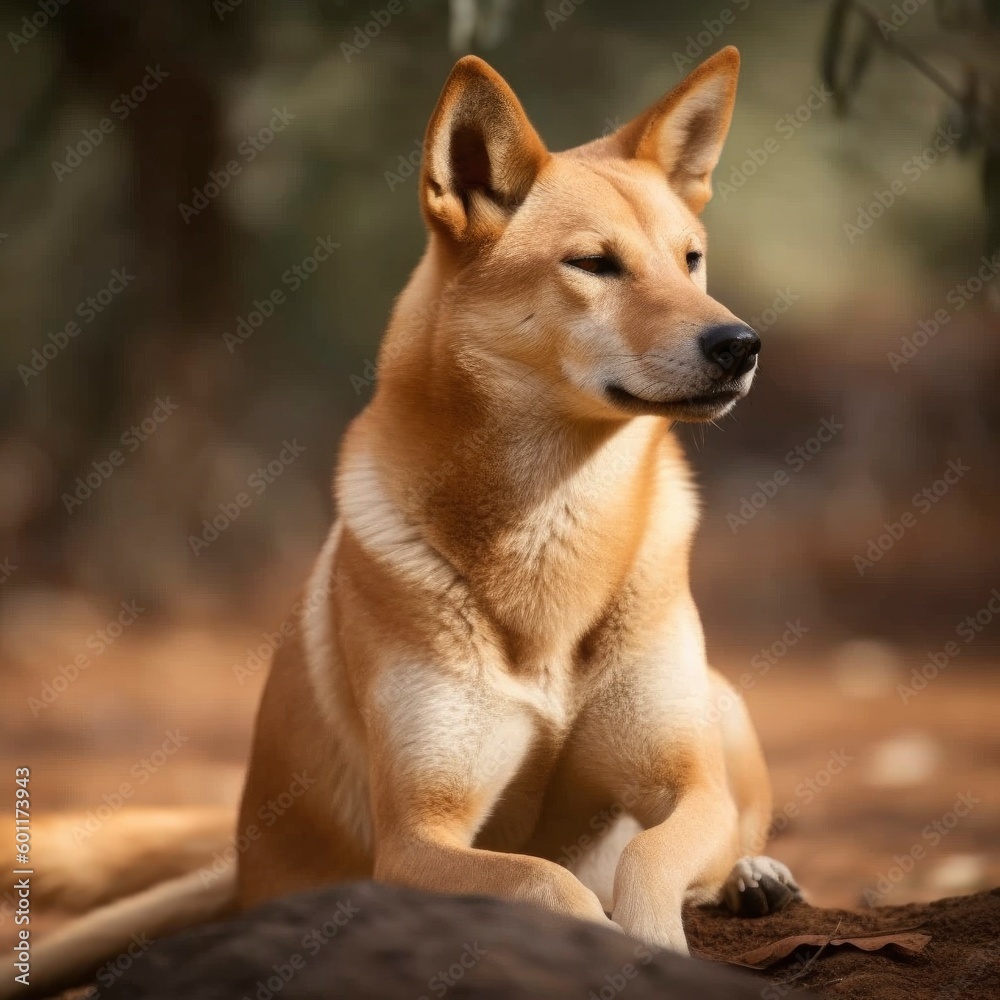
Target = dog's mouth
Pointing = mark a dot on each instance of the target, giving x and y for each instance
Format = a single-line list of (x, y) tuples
[(692, 408)]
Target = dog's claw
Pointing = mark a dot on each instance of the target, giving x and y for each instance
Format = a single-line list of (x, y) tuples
[(759, 885)]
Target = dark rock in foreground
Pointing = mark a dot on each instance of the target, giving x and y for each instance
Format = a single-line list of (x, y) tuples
[(364, 941)]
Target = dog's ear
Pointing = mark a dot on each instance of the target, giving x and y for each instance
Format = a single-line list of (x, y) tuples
[(684, 131), (481, 154)]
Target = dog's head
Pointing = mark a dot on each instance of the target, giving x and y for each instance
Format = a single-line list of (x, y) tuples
[(588, 266)]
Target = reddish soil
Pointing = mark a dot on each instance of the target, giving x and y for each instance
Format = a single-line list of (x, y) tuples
[(883, 802)]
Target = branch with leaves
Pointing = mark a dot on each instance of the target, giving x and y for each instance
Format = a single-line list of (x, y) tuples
[(856, 31)]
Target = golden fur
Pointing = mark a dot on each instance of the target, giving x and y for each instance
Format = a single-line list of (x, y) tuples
[(498, 682)]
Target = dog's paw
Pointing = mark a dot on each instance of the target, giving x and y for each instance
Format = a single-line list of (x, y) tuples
[(759, 885)]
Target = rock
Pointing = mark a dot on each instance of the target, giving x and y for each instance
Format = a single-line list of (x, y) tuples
[(364, 941)]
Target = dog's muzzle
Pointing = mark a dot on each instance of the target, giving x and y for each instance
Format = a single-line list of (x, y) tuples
[(733, 347)]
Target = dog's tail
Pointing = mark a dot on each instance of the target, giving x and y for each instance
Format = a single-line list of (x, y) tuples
[(82, 861), (114, 936), (159, 870)]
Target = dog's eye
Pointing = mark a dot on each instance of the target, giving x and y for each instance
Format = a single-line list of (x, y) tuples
[(693, 260), (598, 264)]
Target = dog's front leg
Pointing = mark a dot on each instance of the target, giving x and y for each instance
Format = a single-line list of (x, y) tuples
[(690, 844), (443, 750)]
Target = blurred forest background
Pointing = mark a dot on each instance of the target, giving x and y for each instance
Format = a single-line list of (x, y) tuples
[(165, 168), (342, 168)]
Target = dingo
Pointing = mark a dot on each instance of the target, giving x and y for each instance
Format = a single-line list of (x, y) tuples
[(497, 682)]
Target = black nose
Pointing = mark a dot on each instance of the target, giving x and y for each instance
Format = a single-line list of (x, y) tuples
[(732, 346)]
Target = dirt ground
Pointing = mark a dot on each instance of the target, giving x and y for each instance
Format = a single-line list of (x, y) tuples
[(879, 800)]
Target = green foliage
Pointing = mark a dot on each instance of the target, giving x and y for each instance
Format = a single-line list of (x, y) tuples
[(855, 31)]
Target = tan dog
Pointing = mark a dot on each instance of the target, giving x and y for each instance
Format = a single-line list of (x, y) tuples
[(498, 683)]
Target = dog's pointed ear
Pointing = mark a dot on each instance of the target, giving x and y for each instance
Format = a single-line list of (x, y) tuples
[(684, 131), (481, 154)]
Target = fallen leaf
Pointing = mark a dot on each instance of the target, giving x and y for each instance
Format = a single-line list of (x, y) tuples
[(761, 958)]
